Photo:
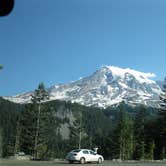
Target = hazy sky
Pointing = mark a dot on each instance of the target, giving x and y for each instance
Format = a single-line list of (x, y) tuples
[(58, 41)]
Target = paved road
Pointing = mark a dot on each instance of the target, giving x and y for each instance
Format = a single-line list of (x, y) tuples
[(64, 163)]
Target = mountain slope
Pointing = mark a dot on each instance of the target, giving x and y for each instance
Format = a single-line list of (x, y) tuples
[(107, 86)]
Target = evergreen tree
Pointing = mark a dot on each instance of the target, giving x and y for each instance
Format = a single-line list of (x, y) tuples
[(151, 134), (26, 129), (162, 120), (76, 131), (8, 117), (17, 141), (49, 134), (139, 133), (151, 148), (40, 95), (1, 143), (96, 125), (123, 137)]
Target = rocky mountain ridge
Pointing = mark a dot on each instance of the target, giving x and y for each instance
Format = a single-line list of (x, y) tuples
[(108, 86)]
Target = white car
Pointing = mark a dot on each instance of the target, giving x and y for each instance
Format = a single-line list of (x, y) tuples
[(83, 156)]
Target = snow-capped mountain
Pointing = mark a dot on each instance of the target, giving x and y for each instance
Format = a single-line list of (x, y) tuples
[(107, 86)]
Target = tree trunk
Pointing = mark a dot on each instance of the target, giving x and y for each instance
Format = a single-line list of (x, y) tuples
[(80, 132), (17, 141), (163, 152), (37, 132)]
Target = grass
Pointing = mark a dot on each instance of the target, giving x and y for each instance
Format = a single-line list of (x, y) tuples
[(64, 163)]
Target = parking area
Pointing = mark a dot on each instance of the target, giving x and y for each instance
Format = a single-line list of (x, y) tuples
[(64, 163)]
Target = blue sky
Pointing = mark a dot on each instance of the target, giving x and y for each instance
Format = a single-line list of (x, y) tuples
[(58, 41)]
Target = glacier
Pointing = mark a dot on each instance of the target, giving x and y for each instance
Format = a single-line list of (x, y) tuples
[(107, 86)]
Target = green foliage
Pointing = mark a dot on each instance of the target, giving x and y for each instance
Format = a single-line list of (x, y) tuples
[(123, 137), (162, 123), (119, 132), (139, 133), (96, 124), (26, 128), (40, 94), (9, 113), (1, 142)]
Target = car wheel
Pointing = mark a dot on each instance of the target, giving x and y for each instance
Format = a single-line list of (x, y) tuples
[(82, 160), (99, 161)]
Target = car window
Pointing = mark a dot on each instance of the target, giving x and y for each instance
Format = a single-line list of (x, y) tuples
[(92, 152), (85, 152)]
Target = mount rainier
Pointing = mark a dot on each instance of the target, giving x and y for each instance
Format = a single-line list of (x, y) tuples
[(108, 86)]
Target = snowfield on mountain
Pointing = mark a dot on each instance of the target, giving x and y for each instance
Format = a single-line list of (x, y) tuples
[(107, 86)]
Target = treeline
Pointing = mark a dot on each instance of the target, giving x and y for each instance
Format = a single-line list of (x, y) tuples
[(9, 113), (47, 130)]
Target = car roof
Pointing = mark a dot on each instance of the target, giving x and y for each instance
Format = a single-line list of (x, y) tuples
[(82, 149)]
